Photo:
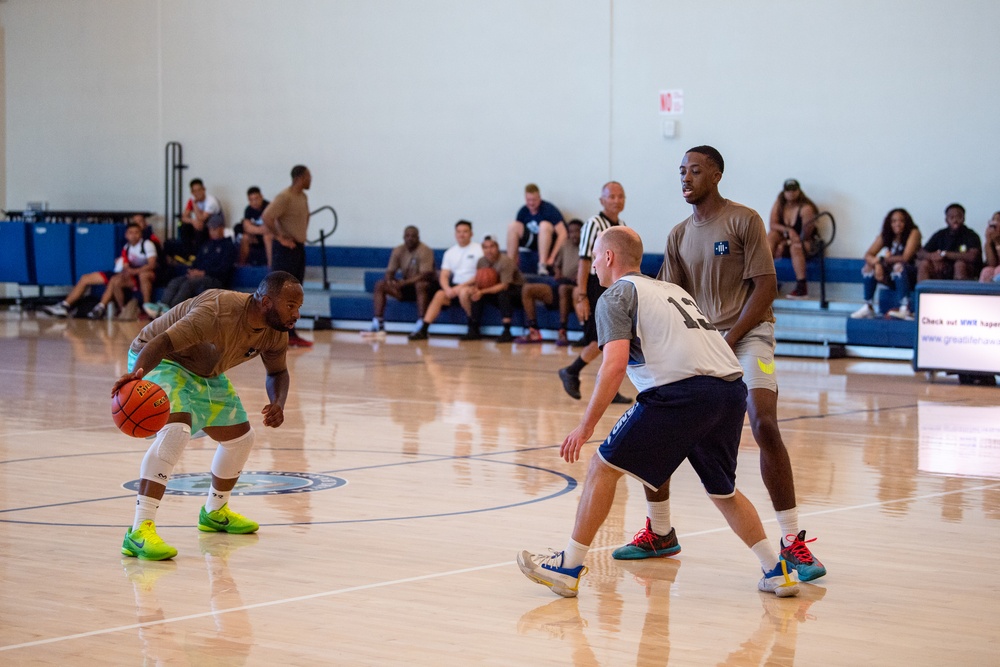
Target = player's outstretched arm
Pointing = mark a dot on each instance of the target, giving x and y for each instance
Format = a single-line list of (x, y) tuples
[(609, 379)]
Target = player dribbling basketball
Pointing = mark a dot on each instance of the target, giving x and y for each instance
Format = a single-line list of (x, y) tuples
[(187, 352)]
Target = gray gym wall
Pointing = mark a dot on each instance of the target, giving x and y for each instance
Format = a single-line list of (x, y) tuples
[(426, 112)]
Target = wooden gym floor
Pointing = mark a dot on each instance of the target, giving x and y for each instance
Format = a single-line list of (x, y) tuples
[(422, 470)]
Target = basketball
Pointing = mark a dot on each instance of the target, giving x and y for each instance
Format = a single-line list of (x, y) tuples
[(140, 408), (486, 277)]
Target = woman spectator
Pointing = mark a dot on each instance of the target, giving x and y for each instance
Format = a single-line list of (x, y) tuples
[(792, 231), (991, 248), (889, 261)]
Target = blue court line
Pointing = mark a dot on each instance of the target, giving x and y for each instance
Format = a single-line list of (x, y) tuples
[(571, 484)]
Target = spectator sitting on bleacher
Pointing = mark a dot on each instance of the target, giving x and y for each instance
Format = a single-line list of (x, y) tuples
[(212, 269), (991, 246), (537, 223), (505, 294), (135, 269), (792, 231), (409, 277), (254, 238), (953, 253), (458, 267), (555, 289), (193, 231), (889, 261)]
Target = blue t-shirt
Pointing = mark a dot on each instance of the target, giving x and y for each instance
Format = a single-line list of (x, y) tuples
[(546, 212)]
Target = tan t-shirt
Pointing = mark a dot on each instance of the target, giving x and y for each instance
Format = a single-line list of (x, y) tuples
[(506, 268), (567, 261), (291, 210), (210, 334), (411, 264), (715, 261)]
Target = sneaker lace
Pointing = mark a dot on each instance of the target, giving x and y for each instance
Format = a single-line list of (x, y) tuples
[(799, 549), (645, 536), (554, 559)]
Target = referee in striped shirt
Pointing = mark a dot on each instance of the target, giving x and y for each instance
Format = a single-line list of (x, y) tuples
[(588, 288)]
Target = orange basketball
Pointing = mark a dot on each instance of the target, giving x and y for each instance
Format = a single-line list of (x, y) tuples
[(486, 277), (140, 408)]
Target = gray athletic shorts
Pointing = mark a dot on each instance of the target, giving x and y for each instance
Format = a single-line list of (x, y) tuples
[(756, 354)]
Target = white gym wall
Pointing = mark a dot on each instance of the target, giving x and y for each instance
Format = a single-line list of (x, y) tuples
[(426, 112)]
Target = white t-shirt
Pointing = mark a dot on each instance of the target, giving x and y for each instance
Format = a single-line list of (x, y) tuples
[(669, 337), (462, 262), (208, 205), (137, 255)]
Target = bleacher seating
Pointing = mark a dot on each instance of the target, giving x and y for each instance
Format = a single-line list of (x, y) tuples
[(58, 253)]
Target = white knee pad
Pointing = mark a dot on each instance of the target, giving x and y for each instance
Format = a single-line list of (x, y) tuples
[(165, 452), (231, 455)]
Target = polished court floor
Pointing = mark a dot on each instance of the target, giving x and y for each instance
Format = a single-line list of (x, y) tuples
[(406, 477)]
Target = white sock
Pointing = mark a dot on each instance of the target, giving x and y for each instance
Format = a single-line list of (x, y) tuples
[(216, 499), (574, 554), (788, 521), (765, 554), (145, 510), (659, 516)]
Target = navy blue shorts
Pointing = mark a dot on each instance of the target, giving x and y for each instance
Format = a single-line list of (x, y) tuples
[(699, 418)]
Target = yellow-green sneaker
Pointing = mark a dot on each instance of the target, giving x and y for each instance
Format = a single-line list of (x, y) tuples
[(224, 520), (144, 543)]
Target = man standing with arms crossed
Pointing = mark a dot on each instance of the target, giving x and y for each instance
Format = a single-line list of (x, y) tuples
[(287, 219), (720, 256)]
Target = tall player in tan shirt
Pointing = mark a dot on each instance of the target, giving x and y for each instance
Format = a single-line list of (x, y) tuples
[(287, 218), (720, 255)]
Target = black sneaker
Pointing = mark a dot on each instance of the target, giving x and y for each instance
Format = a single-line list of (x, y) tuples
[(419, 334), (571, 383), (473, 334), (505, 337)]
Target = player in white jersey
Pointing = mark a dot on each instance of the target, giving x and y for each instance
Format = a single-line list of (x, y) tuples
[(691, 406)]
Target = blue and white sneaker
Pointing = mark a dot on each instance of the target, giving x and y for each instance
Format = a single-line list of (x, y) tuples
[(781, 581), (549, 571)]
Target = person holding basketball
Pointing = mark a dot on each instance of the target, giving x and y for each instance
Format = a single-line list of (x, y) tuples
[(186, 352), (505, 294)]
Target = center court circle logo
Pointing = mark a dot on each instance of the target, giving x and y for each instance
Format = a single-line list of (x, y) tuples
[(254, 483)]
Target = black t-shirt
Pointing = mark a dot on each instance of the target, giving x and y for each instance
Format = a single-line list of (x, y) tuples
[(254, 215)]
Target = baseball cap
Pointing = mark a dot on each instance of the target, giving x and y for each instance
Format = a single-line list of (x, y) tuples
[(791, 185)]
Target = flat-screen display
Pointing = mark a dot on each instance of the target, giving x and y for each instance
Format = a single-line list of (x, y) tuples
[(958, 332)]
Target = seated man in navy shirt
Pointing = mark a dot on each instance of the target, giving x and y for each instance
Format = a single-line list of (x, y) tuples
[(212, 269), (537, 223)]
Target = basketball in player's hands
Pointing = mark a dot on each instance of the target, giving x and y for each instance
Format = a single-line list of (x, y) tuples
[(140, 408)]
